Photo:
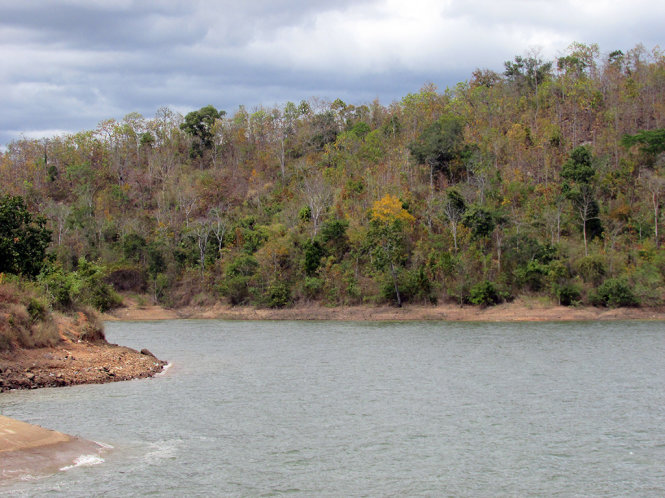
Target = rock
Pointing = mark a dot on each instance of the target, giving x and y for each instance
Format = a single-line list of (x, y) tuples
[(146, 352), (30, 376)]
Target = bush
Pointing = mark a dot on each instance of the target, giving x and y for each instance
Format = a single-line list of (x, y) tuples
[(86, 286), (415, 286), (312, 287), (236, 288), (614, 292), (58, 286), (91, 289), (36, 309), (592, 269), (279, 295), (485, 294), (567, 294), (313, 254), (531, 275)]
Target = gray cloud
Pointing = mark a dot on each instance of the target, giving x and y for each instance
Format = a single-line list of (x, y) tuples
[(68, 65)]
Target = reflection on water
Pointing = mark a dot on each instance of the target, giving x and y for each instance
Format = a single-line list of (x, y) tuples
[(324, 408)]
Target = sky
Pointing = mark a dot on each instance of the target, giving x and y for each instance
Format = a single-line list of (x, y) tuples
[(66, 65)]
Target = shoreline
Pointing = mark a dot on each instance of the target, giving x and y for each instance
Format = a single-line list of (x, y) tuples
[(29, 450), (74, 360), (520, 310)]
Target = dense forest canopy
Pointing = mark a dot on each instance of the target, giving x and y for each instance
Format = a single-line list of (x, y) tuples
[(547, 179)]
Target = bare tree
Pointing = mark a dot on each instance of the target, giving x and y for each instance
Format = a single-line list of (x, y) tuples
[(587, 210), (219, 224), (453, 209), (318, 195), (59, 213), (655, 185), (201, 230)]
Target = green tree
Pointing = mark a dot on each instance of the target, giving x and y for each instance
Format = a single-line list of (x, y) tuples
[(439, 145), (23, 238), (200, 125), (579, 170), (387, 237)]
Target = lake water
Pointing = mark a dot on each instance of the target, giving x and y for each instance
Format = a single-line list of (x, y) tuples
[(369, 409)]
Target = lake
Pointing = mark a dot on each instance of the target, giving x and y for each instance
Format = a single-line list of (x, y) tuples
[(369, 409)]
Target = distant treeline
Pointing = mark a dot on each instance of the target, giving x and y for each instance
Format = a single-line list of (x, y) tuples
[(547, 180)]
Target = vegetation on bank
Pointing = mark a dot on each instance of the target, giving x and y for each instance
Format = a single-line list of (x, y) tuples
[(547, 179), (33, 285)]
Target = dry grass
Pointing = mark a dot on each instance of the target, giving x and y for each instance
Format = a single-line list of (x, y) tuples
[(20, 328)]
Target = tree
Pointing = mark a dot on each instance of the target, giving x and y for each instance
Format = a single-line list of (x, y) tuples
[(479, 220), (318, 195), (579, 170), (387, 238), (23, 238), (655, 186), (651, 143), (200, 125), (438, 146), (454, 209), (201, 231), (528, 71)]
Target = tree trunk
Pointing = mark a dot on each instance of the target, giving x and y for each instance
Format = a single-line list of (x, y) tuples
[(393, 273), (654, 199)]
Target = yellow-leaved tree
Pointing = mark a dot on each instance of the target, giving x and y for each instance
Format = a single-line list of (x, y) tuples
[(389, 223)]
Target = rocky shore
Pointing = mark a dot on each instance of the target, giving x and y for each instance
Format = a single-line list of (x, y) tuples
[(81, 355), (74, 363)]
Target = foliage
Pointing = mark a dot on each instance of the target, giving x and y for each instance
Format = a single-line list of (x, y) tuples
[(479, 220), (199, 124), (537, 181), (23, 238), (484, 294), (84, 287), (614, 292), (439, 144), (568, 294)]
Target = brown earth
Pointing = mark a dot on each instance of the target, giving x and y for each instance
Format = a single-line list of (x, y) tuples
[(518, 311), (74, 361)]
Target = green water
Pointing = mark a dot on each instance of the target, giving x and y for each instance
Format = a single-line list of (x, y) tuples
[(369, 409)]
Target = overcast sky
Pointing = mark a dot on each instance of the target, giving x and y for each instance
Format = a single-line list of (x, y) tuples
[(66, 65)]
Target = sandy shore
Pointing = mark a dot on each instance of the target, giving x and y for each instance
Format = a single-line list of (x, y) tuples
[(27, 449), (517, 311)]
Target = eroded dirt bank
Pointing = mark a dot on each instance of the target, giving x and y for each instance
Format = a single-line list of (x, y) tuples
[(74, 360)]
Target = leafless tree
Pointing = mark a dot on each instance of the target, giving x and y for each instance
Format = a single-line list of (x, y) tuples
[(318, 195)]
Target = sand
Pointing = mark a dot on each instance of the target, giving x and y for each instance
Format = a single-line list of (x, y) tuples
[(30, 450)]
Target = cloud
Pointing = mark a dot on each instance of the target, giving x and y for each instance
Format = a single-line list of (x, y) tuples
[(69, 64)]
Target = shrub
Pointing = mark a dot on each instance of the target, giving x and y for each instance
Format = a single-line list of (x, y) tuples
[(91, 289), (59, 286), (279, 295), (614, 292), (36, 309), (312, 287), (567, 294), (484, 294), (592, 269), (313, 254), (531, 275)]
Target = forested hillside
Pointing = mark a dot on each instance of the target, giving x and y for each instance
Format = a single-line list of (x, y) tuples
[(545, 179)]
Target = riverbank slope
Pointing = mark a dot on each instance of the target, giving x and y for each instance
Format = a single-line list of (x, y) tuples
[(517, 311), (64, 349)]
